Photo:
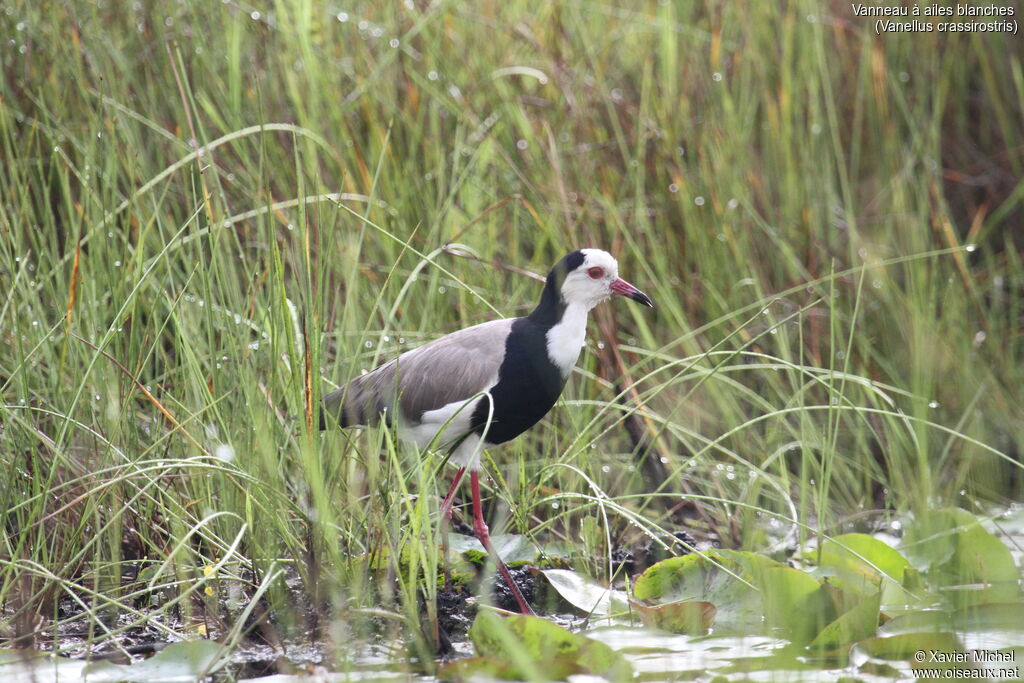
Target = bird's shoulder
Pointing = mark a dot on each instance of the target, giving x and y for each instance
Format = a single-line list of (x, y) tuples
[(445, 370), (488, 337)]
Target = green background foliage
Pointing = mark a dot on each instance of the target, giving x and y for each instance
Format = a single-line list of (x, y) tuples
[(214, 212)]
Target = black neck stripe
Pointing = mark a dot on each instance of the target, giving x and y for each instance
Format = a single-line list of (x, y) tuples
[(551, 307)]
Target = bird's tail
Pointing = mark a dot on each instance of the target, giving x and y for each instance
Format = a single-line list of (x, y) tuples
[(332, 408), (352, 406)]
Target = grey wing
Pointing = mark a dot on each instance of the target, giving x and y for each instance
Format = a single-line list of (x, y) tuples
[(453, 368)]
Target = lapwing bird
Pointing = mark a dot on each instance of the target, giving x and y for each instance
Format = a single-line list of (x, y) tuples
[(487, 384)]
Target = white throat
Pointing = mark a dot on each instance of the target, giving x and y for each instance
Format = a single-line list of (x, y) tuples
[(565, 340)]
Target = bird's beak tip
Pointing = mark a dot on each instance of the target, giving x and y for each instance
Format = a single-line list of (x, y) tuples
[(623, 288), (642, 298)]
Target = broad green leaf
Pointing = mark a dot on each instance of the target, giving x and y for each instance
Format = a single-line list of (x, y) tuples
[(856, 624), (785, 660), (930, 541), (586, 596), (26, 666), (537, 649), (919, 621), (865, 555), (843, 595), (511, 548), (960, 556), (906, 645), (868, 563), (996, 616), (725, 578), (795, 604), (691, 617), (909, 651), (175, 663), (490, 669), (999, 624)]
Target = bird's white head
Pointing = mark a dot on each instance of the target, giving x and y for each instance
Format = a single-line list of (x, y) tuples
[(593, 276)]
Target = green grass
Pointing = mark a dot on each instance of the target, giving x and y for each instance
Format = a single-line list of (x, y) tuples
[(214, 213)]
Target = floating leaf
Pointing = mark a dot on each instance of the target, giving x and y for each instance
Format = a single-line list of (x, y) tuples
[(25, 666), (788, 659), (1002, 616), (863, 555), (724, 578), (913, 650), (906, 645), (868, 563), (794, 602), (919, 621), (912, 581), (856, 624), (511, 548), (691, 617), (489, 668), (586, 596), (536, 649), (178, 662), (844, 596), (958, 554)]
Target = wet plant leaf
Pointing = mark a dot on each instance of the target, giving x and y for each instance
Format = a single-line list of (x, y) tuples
[(912, 580), (725, 578), (26, 666), (868, 563), (921, 621), (844, 596), (783, 659), (586, 596), (960, 555), (511, 547), (1003, 616), (691, 617), (863, 555), (536, 649), (491, 668), (176, 663), (795, 604), (906, 645), (858, 623)]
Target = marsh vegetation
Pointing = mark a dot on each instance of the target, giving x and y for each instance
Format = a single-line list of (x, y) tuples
[(215, 213)]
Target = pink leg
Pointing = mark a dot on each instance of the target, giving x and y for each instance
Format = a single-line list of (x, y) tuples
[(483, 535), (446, 517), (446, 504)]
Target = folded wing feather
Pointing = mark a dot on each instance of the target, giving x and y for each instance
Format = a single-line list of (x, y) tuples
[(453, 368)]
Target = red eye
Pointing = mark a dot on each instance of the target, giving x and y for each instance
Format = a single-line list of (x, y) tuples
[(596, 272)]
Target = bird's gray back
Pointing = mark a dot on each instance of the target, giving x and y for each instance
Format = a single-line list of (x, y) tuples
[(453, 368)]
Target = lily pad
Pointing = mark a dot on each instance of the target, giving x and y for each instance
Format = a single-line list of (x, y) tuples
[(187, 661), (725, 578), (511, 548), (858, 623), (959, 555), (1003, 616), (843, 595), (869, 564), (919, 621), (906, 645), (536, 649), (795, 603), (26, 666), (864, 555), (584, 595), (691, 617), (490, 669)]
